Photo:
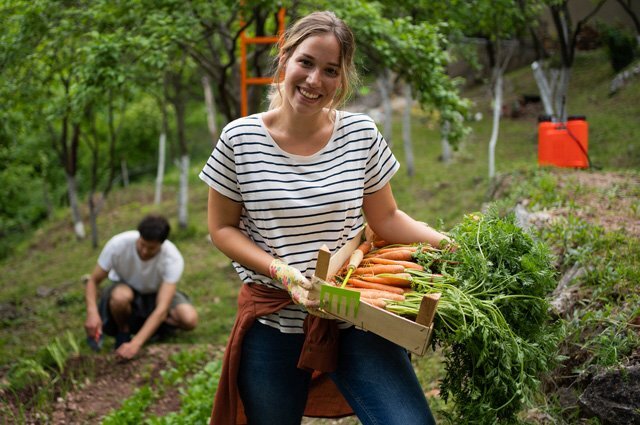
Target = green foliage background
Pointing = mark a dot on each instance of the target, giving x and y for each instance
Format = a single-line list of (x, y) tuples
[(41, 295)]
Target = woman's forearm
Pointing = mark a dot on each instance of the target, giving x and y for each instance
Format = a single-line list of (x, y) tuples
[(238, 247), (401, 228), (223, 218)]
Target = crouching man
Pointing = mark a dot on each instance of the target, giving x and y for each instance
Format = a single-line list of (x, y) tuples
[(141, 300)]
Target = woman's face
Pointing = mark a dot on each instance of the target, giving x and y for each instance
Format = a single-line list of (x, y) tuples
[(312, 74)]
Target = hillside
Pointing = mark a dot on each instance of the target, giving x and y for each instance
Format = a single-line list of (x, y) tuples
[(590, 218)]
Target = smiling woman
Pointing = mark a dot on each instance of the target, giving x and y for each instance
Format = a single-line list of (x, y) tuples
[(312, 74), (282, 184), (340, 61), (316, 73)]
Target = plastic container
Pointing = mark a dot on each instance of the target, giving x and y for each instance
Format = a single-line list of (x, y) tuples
[(563, 144)]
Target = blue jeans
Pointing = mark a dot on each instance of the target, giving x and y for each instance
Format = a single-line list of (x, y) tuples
[(374, 375)]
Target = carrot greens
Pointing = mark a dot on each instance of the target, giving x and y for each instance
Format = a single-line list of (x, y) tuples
[(492, 320)]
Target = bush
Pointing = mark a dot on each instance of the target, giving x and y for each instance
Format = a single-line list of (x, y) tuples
[(622, 46)]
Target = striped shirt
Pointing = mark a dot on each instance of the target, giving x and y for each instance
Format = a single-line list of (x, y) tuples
[(292, 204)]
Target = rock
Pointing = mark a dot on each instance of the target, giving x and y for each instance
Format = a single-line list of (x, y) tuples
[(568, 400), (623, 77), (566, 293), (8, 311), (526, 219), (614, 396), (44, 291)]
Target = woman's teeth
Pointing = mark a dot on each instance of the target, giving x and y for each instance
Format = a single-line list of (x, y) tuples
[(309, 95)]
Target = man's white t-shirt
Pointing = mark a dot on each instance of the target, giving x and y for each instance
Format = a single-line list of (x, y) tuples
[(120, 258)]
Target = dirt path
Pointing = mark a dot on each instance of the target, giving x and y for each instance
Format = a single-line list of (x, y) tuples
[(113, 383), (116, 381)]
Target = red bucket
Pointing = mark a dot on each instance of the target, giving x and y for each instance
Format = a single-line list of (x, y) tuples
[(563, 144)]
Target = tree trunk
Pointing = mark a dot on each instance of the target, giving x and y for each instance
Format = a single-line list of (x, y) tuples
[(560, 97), (406, 130), (567, 36), (183, 197), (179, 102), (113, 139), (125, 172), (211, 109), (72, 192), (543, 88), (497, 110), (67, 150), (157, 199), (633, 15), (162, 148), (68, 154), (446, 146), (46, 198), (385, 86), (503, 56), (93, 219)]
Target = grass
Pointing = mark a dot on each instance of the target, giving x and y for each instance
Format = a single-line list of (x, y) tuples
[(41, 296)]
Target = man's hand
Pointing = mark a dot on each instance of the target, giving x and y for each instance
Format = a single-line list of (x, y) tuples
[(93, 325), (128, 350), (301, 289)]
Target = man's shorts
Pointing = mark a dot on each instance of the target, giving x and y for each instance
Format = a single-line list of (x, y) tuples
[(142, 307)]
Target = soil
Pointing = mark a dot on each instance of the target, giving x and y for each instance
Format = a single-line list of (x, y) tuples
[(606, 199), (114, 382), (106, 382), (609, 200)]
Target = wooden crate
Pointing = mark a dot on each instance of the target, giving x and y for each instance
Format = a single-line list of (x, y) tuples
[(414, 336)]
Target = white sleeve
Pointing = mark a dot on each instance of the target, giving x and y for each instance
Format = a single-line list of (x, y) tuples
[(173, 264), (105, 260), (381, 165)]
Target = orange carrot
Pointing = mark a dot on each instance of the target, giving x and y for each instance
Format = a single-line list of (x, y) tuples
[(405, 264), (365, 247), (391, 248), (398, 279), (374, 293), (376, 302), (358, 254), (358, 283), (380, 243), (379, 268), (401, 255), (354, 260)]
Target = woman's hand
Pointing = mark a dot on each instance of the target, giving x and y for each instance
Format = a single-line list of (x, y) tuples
[(302, 291)]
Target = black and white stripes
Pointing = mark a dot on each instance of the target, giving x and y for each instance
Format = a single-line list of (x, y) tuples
[(292, 205)]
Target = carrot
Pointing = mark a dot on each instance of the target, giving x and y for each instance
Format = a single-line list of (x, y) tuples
[(379, 268), (358, 255), (359, 283), (380, 243), (391, 248), (398, 279), (355, 259), (400, 255), (405, 264), (376, 302), (374, 293)]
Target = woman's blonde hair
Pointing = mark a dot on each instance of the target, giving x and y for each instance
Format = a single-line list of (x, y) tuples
[(317, 23)]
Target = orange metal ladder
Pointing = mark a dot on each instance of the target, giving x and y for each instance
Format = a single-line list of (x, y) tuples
[(244, 79)]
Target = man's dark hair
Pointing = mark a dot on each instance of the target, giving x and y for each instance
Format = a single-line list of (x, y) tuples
[(154, 228)]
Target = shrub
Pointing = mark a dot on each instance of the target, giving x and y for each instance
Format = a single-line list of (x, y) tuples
[(622, 46)]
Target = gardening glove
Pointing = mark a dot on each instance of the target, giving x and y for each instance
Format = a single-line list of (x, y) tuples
[(302, 291), (315, 293)]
